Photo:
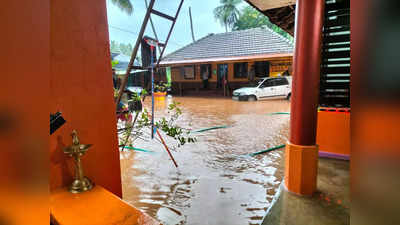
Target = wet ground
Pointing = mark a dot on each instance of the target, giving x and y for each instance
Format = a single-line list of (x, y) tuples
[(215, 183), (330, 205)]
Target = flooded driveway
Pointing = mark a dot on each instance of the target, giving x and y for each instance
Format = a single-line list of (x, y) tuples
[(216, 182)]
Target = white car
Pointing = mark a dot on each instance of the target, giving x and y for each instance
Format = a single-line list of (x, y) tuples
[(135, 89), (269, 87)]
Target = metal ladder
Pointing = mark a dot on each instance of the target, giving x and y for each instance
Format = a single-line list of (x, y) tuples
[(147, 17)]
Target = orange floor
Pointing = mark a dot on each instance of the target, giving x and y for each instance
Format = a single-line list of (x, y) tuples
[(95, 207)]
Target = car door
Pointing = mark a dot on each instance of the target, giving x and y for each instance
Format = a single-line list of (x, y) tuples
[(267, 89), (281, 86)]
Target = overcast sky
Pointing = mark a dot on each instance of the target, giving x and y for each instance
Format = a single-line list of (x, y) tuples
[(124, 28)]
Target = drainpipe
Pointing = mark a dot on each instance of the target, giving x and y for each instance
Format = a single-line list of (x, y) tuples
[(302, 151)]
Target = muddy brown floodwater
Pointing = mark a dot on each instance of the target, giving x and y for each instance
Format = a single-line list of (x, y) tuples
[(215, 183)]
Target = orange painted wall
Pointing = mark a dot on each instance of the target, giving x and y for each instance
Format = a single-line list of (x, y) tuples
[(24, 118), (81, 88), (333, 132)]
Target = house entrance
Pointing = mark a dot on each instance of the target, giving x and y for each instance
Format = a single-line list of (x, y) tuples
[(222, 76)]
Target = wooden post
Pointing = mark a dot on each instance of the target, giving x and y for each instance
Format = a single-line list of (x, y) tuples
[(302, 151)]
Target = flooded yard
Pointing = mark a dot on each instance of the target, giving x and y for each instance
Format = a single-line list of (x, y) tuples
[(216, 182)]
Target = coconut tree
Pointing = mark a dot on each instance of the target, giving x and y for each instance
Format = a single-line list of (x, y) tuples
[(227, 13), (250, 18), (125, 5)]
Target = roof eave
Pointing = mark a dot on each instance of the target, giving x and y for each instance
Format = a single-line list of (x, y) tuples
[(264, 5), (280, 13), (222, 59)]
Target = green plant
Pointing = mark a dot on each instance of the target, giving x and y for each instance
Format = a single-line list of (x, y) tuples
[(135, 97), (144, 93), (162, 87), (116, 92), (168, 125), (114, 63), (251, 18), (170, 128)]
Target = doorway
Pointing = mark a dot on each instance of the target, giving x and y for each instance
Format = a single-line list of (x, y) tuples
[(222, 75)]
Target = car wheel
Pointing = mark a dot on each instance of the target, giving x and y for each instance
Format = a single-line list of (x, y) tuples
[(252, 98), (288, 97)]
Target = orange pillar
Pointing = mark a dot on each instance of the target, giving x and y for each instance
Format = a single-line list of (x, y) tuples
[(81, 88), (301, 151)]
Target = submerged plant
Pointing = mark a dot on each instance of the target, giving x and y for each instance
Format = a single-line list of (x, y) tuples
[(141, 123), (170, 128)]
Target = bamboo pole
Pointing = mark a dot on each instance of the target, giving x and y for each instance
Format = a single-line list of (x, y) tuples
[(191, 23), (166, 148)]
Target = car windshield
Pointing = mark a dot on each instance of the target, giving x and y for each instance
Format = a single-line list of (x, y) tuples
[(255, 83)]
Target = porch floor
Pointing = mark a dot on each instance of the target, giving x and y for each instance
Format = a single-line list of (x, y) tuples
[(329, 206)]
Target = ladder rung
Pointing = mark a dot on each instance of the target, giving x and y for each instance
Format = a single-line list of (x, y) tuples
[(158, 13)]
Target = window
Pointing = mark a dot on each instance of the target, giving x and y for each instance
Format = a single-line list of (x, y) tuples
[(281, 81), (268, 83), (240, 70), (188, 72), (261, 69)]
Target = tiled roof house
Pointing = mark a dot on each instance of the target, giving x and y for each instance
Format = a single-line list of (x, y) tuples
[(229, 59), (236, 44)]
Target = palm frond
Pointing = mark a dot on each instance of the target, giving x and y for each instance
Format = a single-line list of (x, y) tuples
[(124, 5), (227, 13)]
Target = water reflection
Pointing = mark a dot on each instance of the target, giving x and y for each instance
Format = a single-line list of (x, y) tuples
[(215, 183)]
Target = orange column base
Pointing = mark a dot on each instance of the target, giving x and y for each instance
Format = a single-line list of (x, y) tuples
[(301, 165)]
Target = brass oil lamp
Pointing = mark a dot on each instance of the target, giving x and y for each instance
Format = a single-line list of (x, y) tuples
[(81, 183)]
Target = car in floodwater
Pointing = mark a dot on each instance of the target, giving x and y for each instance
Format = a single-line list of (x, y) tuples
[(265, 88), (134, 89)]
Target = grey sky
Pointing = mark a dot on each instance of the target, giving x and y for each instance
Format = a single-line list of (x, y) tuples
[(124, 28)]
